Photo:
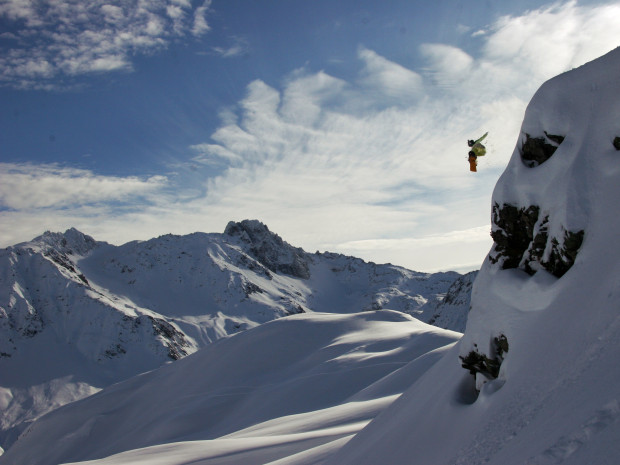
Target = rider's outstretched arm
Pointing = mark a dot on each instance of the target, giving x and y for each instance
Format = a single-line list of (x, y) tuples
[(480, 140)]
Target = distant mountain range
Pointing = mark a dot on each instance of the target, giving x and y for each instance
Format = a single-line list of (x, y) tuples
[(77, 314)]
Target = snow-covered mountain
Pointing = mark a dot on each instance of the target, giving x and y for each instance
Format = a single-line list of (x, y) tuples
[(534, 379), (452, 311), (77, 315)]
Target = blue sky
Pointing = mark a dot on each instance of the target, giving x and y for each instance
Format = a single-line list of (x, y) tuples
[(342, 125)]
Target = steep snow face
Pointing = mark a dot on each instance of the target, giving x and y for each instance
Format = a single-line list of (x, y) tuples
[(452, 311), (77, 315), (548, 335), (289, 385), (574, 118), (574, 192)]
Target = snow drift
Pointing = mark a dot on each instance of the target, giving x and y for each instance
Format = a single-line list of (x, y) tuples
[(292, 384)]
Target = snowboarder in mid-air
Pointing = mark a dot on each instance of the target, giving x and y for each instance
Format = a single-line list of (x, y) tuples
[(477, 150)]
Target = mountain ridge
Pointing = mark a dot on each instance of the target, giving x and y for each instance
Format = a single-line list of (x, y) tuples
[(115, 311)]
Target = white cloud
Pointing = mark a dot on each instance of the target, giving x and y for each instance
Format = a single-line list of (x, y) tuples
[(374, 166), (239, 47), (28, 187), (55, 38), (307, 94), (232, 51), (551, 40), (175, 11), (112, 13), (447, 65), (329, 172), (462, 29), (200, 25), (388, 77), (214, 154), (429, 248), (16, 9)]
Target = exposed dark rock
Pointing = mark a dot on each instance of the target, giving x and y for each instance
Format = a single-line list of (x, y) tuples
[(299, 268), (617, 142), (28, 324), (71, 241), (514, 234), (537, 248), (293, 308), (460, 288), (62, 260), (537, 150), (452, 311), (522, 241), (251, 288), (29, 332), (174, 340), (115, 351), (562, 256), (555, 138), (269, 248), (299, 309), (255, 266), (488, 366)]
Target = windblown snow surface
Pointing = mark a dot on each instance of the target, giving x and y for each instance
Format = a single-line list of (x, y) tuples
[(383, 388), (286, 386)]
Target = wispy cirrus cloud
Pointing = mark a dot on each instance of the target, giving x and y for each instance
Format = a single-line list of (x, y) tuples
[(238, 46), (387, 77), (35, 198), (31, 187), (380, 160), (374, 165), (59, 39), (447, 65)]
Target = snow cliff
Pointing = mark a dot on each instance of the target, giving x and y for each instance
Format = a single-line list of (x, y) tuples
[(452, 311)]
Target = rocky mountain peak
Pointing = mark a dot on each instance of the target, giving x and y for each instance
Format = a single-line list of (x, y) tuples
[(71, 242), (248, 230), (269, 248)]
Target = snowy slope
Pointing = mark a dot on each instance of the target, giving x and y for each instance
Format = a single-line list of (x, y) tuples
[(77, 315), (557, 396), (297, 383), (452, 311)]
